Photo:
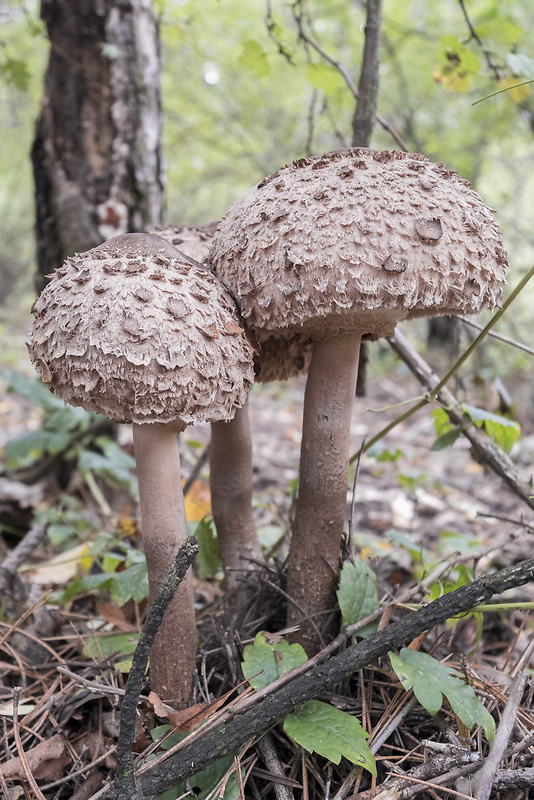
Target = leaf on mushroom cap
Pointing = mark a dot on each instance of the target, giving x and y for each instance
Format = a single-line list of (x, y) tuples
[(357, 240), (276, 358), (133, 330)]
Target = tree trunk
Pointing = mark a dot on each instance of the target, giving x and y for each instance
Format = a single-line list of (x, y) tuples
[(97, 150), (363, 122)]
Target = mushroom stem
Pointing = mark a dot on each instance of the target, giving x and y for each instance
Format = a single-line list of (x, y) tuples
[(313, 564), (164, 529), (231, 502)]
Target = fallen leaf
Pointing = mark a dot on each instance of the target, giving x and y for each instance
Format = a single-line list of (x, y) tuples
[(114, 615), (6, 709), (64, 567), (198, 501), (45, 760)]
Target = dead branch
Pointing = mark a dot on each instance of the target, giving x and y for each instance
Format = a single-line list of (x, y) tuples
[(125, 782), (487, 451), (240, 723), (486, 776), (10, 565)]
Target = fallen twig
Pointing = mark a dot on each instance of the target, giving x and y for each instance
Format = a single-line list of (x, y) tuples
[(243, 722), (125, 783), (486, 776), (22, 755), (19, 554), (487, 451)]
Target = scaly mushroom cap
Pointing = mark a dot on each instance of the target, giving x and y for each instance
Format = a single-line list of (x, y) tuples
[(133, 330), (193, 240), (355, 241), (276, 359)]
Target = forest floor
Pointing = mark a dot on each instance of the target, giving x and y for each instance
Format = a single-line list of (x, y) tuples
[(413, 508)]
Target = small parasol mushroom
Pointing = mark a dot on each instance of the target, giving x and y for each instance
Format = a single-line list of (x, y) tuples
[(133, 330), (336, 248)]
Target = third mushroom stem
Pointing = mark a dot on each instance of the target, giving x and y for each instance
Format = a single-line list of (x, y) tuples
[(313, 566), (231, 499)]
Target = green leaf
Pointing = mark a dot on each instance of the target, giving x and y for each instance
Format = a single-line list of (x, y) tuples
[(29, 447), (100, 647), (16, 72), (357, 595), (131, 583), (323, 729), (254, 58), (31, 389), (113, 465), (521, 65), (446, 439), (325, 77), (500, 31), (381, 453), (264, 662), (431, 680), (208, 560), (203, 784), (505, 432), (442, 423)]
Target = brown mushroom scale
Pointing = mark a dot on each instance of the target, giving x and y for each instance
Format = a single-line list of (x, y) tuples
[(334, 248), (135, 330), (140, 338), (356, 241)]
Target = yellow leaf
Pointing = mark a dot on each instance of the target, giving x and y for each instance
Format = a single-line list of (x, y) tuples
[(519, 93), (63, 567), (198, 502)]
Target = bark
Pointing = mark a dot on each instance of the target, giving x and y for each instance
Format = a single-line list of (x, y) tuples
[(97, 150), (365, 113), (253, 722), (363, 122), (164, 530), (231, 502), (313, 564)]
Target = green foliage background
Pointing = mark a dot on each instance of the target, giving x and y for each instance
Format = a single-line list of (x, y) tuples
[(243, 96)]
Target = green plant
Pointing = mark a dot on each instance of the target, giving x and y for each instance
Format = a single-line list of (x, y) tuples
[(316, 726), (431, 681)]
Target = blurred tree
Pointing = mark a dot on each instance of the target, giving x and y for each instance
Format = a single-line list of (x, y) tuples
[(97, 150)]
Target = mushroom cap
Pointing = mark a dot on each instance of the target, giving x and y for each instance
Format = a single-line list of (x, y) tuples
[(194, 240), (356, 241), (133, 330), (275, 358)]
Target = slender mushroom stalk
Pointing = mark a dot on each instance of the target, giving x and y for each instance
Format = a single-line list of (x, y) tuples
[(349, 243), (164, 529), (137, 331), (231, 500), (313, 564)]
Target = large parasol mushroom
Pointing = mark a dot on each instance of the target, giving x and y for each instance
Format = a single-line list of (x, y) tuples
[(334, 248), (135, 331)]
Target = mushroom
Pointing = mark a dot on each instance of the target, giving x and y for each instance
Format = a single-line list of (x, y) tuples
[(133, 330), (193, 240), (231, 441), (335, 248)]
